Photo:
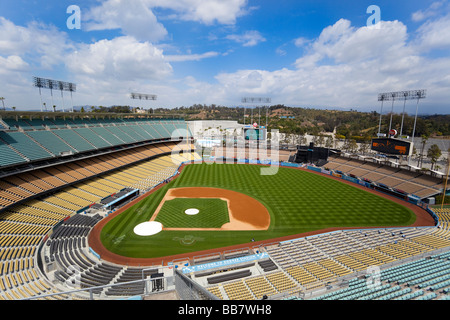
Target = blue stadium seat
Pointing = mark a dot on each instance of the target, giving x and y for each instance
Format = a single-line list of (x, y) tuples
[(26, 146)]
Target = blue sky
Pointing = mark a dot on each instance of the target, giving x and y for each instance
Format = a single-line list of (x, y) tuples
[(299, 53)]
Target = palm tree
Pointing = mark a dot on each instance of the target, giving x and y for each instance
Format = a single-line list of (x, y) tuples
[(434, 153), (424, 141), (446, 179)]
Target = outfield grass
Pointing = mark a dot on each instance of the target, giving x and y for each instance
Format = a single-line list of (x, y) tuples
[(297, 201)]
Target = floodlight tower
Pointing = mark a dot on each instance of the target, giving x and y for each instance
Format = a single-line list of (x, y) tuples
[(253, 100), (381, 97), (39, 83), (51, 85), (3, 102), (393, 96), (143, 96), (417, 94), (61, 86), (71, 87), (387, 96), (405, 96)]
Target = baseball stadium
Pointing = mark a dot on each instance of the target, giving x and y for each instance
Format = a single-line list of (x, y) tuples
[(112, 206)]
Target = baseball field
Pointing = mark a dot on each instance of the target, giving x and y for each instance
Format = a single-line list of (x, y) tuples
[(234, 204)]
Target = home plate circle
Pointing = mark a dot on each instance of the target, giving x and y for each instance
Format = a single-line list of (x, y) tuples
[(191, 212), (148, 228)]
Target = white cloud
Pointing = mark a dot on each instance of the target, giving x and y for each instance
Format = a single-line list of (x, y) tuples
[(137, 19), (108, 70), (346, 44), (280, 52), (134, 18), (12, 63), (248, 38), (346, 67), (122, 58), (431, 11), (44, 45), (204, 11), (300, 42), (190, 57), (435, 34)]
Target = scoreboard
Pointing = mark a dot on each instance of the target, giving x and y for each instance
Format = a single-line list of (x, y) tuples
[(256, 134), (392, 146)]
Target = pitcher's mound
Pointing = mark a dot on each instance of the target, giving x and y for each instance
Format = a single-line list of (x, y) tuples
[(191, 212), (148, 228)]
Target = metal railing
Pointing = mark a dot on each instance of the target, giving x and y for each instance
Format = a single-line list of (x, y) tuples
[(90, 293)]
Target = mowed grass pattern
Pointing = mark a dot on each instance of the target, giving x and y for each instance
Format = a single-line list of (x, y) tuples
[(298, 201), (213, 213)]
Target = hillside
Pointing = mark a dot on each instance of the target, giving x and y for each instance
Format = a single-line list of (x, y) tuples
[(314, 121), (290, 120)]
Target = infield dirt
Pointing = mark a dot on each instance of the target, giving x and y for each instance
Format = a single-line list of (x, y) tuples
[(245, 213)]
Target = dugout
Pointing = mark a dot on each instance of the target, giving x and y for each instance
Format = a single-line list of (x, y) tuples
[(118, 199)]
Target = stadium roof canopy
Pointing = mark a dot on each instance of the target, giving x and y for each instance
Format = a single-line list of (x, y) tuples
[(39, 114)]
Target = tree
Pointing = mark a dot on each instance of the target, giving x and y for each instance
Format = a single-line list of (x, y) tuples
[(424, 141), (353, 146), (446, 180), (302, 140), (350, 145), (329, 143), (434, 153), (364, 147), (321, 140)]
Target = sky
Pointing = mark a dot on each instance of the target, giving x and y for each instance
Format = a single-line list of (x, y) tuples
[(328, 54)]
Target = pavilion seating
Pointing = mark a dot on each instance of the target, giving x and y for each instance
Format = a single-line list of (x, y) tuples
[(9, 156), (92, 137), (107, 135), (50, 141), (138, 136), (26, 146), (74, 140), (121, 134), (150, 130)]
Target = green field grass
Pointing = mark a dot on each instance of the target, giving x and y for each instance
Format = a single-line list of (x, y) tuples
[(298, 201), (213, 213)]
